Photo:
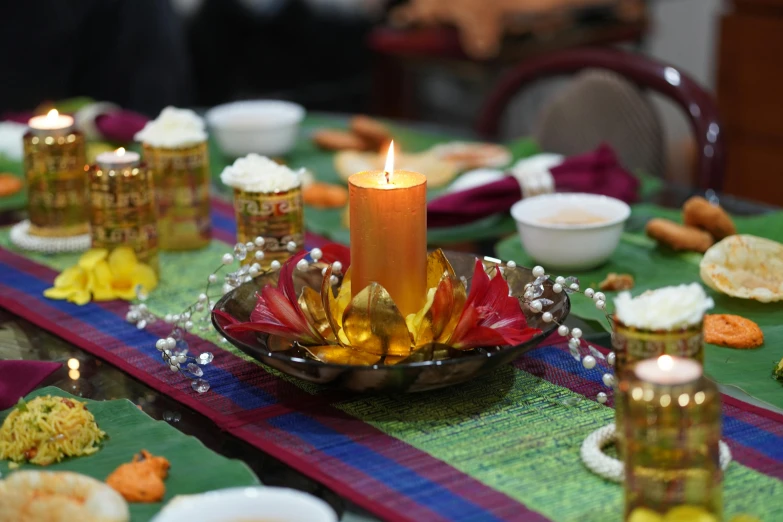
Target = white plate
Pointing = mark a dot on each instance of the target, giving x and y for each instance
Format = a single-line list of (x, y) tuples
[(252, 504)]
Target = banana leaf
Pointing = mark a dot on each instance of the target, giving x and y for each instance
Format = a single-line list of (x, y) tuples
[(653, 266), (194, 467)]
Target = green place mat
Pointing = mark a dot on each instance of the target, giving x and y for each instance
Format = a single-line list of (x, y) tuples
[(654, 267), (194, 467), (545, 425)]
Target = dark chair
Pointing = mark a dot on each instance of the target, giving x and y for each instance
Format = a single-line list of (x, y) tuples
[(697, 104)]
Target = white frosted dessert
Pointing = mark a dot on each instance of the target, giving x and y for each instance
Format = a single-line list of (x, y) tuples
[(668, 308), (255, 173), (173, 129)]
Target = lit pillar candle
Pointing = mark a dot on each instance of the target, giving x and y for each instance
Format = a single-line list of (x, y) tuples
[(389, 233), (117, 159), (52, 121)]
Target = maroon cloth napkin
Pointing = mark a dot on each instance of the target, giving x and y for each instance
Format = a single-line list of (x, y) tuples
[(596, 172), (120, 126), (18, 378)]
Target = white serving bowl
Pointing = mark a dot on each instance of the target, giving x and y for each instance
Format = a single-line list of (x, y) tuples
[(266, 127), (570, 247), (251, 503)]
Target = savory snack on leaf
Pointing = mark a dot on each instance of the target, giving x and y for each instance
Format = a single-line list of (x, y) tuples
[(468, 155), (47, 429), (9, 184), (616, 282), (732, 331), (142, 479), (44, 496), (370, 130), (745, 266), (678, 237), (700, 213), (335, 139), (324, 195), (438, 171)]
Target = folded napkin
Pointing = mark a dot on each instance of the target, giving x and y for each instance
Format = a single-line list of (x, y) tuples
[(597, 172), (18, 378)]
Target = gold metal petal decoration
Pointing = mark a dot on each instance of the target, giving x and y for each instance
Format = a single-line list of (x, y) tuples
[(342, 355), (437, 267), (452, 309), (313, 308), (373, 323)]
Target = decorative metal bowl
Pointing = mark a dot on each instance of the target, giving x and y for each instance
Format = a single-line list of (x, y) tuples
[(428, 374)]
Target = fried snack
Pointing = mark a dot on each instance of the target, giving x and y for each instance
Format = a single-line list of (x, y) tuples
[(370, 130), (325, 195), (700, 213), (677, 236), (438, 171), (473, 155), (333, 139), (9, 184), (142, 479), (744, 266), (615, 282), (31, 496), (732, 331)]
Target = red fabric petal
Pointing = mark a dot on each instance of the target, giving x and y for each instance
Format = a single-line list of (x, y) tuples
[(337, 252)]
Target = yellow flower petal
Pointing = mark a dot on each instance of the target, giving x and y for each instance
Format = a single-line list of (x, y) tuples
[(59, 293), (122, 262), (72, 276), (145, 276), (127, 294), (103, 294), (102, 274), (80, 297), (91, 257)]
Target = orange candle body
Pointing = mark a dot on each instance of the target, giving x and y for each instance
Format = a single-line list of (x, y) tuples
[(389, 235)]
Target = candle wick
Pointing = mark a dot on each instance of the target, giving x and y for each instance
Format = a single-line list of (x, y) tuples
[(388, 180)]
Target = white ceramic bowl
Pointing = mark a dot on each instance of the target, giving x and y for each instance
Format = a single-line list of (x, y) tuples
[(570, 247), (246, 504), (266, 127)]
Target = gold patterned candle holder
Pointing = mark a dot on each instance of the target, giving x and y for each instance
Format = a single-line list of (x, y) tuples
[(182, 181), (54, 162), (672, 431), (122, 209), (278, 217)]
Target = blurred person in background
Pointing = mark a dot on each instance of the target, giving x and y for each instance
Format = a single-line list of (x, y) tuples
[(130, 52)]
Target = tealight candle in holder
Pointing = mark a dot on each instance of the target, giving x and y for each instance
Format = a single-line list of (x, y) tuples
[(175, 150), (664, 321), (268, 204), (122, 205), (672, 432), (54, 160)]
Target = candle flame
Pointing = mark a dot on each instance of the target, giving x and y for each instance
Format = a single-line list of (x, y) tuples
[(665, 362), (52, 114), (389, 168), (120, 151)]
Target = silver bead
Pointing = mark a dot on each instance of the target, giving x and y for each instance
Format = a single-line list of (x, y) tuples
[(608, 379), (557, 288), (562, 330), (175, 318), (576, 333), (560, 280), (202, 298), (160, 344), (142, 307), (275, 265), (171, 343), (611, 358), (588, 362), (174, 368), (291, 246), (333, 280), (336, 267), (168, 318), (212, 278), (573, 343), (599, 296), (250, 246), (302, 265), (574, 287), (511, 264), (536, 305), (259, 255), (589, 292), (227, 259), (316, 254), (259, 241), (601, 397), (227, 288), (188, 325), (547, 317), (253, 271), (600, 305), (538, 271)]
